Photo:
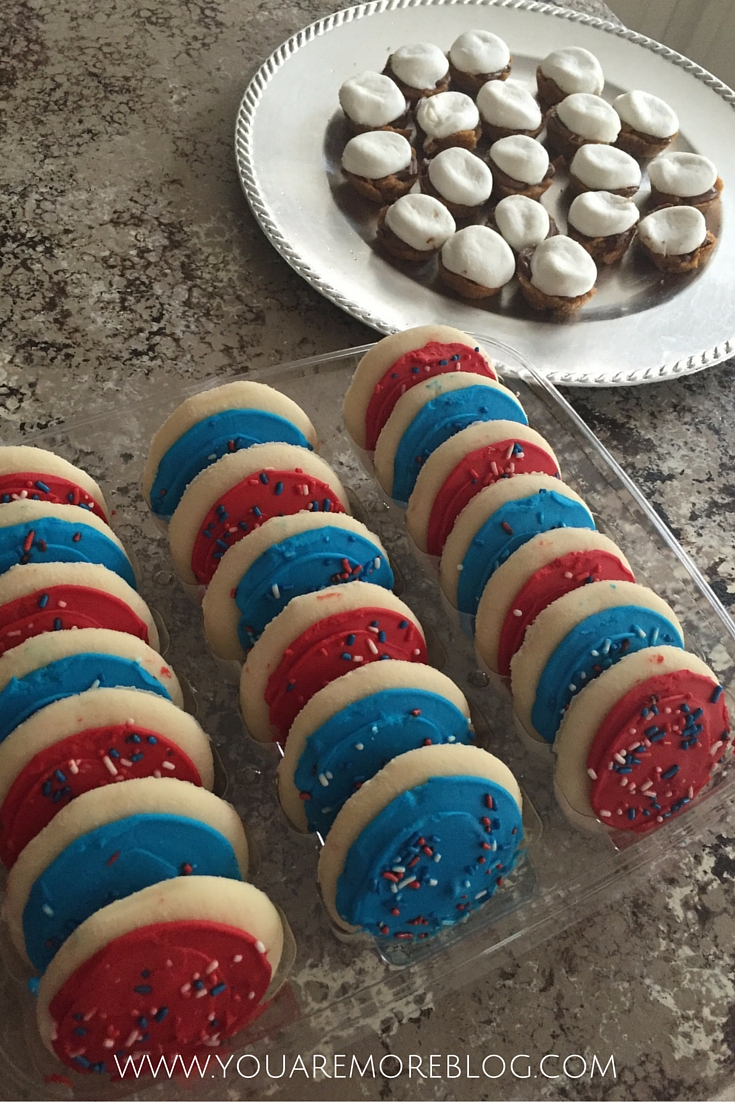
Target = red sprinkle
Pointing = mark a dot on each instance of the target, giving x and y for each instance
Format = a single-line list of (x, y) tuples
[(28, 544), (113, 859)]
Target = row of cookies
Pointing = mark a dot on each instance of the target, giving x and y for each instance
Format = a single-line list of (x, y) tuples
[(335, 670), (554, 604), (86, 703)]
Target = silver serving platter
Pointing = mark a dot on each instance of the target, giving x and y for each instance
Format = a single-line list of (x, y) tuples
[(640, 327)]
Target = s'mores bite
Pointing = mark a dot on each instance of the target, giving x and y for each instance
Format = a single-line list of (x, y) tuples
[(458, 179), (604, 224), (419, 69), (508, 108), (687, 179), (579, 119), (523, 222), (648, 125), (604, 168), (414, 227), (448, 119), (477, 57), (476, 262), (558, 275), (676, 239), (567, 71), (520, 166), (380, 165), (372, 101)]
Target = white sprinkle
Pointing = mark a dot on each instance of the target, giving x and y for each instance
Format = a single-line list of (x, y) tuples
[(715, 747), (623, 782), (595, 653), (251, 994), (646, 786), (133, 1037), (126, 763), (399, 868), (109, 765), (275, 591), (451, 738), (568, 574), (376, 563), (659, 818), (517, 612), (357, 658), (690, 792), (433, 883), (108, 1042), (260, 946), (619, 811), (606, 814), (372, 646), (201, 993), (583, 675), (460, 567), (237, 958), (73, 767), (374, 730), (403, 883), (329, 776), (323, 780), (95, 684), (305, 489), (394, 888), (572, 688), (468, 883), (437, 857), (417, 652), (12, 634), (359, 746), (168, 765), (480, 894), (185, 988), (373, 629), (493, 846), (157, 773), (211, 967), (619, 757), (47, 910), (62, 604), (591, 773), (129, 722)]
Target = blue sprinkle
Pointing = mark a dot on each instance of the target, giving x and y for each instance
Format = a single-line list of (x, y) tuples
[(654, 709), (143, 989), (381, 636), (218, 989), (57, 624), (699, 712), (197, 985), (289, 687), (443, 363), (80, 1032), (403, 624), (350, 640), (384, 658), (43, 601), (279, 489), (374, 624), (684, 708), (145, 973), (113, 752), (60, 776), (644, 713), (33, 984), (56, 796), (78, 1017), (161, 1013), (221, 543), (716, 695), (631, 813), (625, 769), (658, 737), (671, 772), (220, 510), (347, 657), (145, 1037), (314, 506), (133, 738), (143, 1022), (136, 757), (101, 1067), (326, 505), (43, 487), (263, 478), (208, 535), (46, 788), (151, 739), (81, 1061)]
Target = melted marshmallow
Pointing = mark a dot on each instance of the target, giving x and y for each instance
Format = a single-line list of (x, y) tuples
[(421, 65), (574, 69), (446, 114), (605, 168), (420, 221), (673, 231), (376, 154), (646, 113), (372, 99), (461, 177), (600, 214), (682, 174), (480, 254), (520, 157), (590, 117), (507, 103), (560, 266), (522, 221), (479, 52)]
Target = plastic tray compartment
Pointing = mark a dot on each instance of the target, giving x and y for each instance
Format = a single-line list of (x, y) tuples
[(341, 988)]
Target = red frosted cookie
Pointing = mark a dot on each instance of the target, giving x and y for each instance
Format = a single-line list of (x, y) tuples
[(639, 743), (40, 475), (474, 458), (538, 573), (176, 968), (40, 597), (317, 638), (99, 737), (240, 492), (396, 364)]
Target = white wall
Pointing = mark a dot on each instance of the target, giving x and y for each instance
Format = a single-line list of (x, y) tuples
[(703, 30)]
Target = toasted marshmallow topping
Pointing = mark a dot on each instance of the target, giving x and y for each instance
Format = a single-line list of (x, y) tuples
[(461, 177), (372, 99), (421, 221), (600, 214), (646, 113), (682, 174), (480, 254), (520, 157), (421, 65), (605, 168), (574, 69), (673, 231), (590, 117), (479, 52), (445, 114), (522, 221), (560, 266), (376, 154), (507, 103)]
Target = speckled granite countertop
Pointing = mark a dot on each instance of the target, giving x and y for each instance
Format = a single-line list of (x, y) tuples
[(130, 260)]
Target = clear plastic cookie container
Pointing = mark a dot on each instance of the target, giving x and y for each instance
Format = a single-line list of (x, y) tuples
[(338, 989)]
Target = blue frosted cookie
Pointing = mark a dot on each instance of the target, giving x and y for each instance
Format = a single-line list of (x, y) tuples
[(209, 425), (112, 842), (355, 725), (423, 844), (285, 558)]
